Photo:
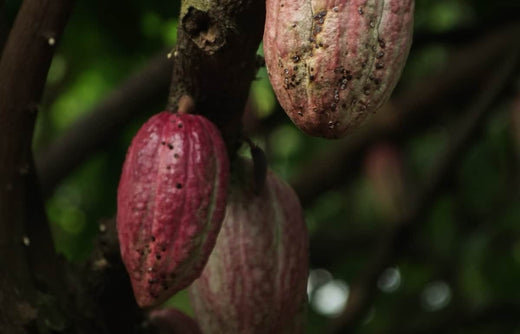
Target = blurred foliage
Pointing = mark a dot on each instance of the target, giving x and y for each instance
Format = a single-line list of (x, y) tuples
[(467, 251)]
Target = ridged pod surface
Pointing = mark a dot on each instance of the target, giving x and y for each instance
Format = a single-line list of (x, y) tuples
[(170, 203), (255, 280), (332, 63)]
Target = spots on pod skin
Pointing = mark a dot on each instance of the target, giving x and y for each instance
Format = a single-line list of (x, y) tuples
[(326, 54), (164, 245)]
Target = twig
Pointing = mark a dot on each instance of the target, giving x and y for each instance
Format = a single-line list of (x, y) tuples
[(92, 131), (211, 76), (364, 288)]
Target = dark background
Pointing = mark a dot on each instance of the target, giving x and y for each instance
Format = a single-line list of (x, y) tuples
[(429, 195)]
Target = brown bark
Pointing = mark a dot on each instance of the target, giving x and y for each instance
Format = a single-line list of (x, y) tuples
[(27, 257), (207, 75), (215, 60), (94, 130)]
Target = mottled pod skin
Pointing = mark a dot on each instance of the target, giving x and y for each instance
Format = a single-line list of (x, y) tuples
[(255, 280), (170, 203), (332, 63)]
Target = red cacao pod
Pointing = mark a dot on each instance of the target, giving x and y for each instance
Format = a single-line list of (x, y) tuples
[(333, 63), (255, 280), (173, 321), (170, 203)]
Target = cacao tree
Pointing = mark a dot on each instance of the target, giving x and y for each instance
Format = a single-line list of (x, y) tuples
[(146, 166)]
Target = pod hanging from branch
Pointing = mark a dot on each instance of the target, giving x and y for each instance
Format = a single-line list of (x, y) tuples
[(334, 63)]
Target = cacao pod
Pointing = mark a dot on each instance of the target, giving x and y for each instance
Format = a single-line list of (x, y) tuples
[(170, 203), (385, 171), (173, 321), (255, 279), (333, 63)]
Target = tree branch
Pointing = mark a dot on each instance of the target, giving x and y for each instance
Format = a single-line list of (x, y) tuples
[(105, 277), (118, 109), (215, 60), (200, 72), (26, 248), (364, 288), (91, 132)]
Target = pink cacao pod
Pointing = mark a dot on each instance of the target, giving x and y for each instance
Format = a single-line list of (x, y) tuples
[(170, 203), (333, 63), (385, 172), (173, 321), (255, 280)]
